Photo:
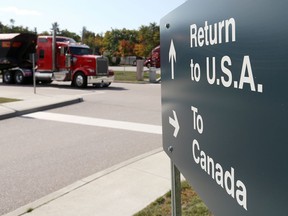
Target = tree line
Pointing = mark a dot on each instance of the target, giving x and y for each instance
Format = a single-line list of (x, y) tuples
[(116, 42)]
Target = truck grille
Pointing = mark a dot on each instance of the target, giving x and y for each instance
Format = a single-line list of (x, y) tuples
[(102, 66)]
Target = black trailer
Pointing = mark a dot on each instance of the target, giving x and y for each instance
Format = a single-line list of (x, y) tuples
[(15, 58)]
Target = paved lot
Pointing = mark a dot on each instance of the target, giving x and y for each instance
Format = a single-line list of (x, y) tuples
[(136, 104)]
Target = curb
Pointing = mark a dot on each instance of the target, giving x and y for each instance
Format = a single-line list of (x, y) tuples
[(78, 184), (10, 112)]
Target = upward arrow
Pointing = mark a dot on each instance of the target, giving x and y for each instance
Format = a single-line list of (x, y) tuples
[(172, 58)]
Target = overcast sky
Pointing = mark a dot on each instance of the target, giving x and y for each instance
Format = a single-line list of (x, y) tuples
[(96, 16)]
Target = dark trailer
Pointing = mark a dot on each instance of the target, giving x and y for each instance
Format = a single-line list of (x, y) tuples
[(15, 50)]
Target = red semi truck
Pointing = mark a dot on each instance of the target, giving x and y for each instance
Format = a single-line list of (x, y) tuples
[(57, 58), (154, 58)]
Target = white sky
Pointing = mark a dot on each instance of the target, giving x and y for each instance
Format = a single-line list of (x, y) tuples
[(96, 16)]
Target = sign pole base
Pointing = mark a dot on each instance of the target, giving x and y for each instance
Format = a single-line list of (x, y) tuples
[(176, 191)]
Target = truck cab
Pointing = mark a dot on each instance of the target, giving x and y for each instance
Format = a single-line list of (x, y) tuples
[(63, 59), (58, 58), (154, 58)]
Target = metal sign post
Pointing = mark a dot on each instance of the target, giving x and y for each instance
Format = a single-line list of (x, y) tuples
[(176, 191), (33, 69)]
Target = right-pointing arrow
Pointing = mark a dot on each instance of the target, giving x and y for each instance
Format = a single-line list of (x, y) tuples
[(174, 122)]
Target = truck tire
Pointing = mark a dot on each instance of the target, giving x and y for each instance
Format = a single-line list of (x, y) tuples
[(80, 80), (148, 65), (19, 77), (101, 85), (7, 77), (107, 85)]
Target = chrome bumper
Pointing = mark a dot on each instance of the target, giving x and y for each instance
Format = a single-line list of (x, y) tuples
[(99, 79)]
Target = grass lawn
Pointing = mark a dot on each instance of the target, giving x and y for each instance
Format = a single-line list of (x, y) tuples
[(128, 76), (7, 100), (191, 204)]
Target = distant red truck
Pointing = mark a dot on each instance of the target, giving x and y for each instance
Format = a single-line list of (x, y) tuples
[(154, 59), (58, 58)]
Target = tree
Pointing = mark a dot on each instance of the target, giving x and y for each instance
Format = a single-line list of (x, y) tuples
[(13, 28), (120, 42), (126, 47), (69, 34), (84, 30), (45, 33), (127, 43), (148, 38), (55, 27), (4, 28), (89, 38), (12, 21), (99, 45), (114, 43)]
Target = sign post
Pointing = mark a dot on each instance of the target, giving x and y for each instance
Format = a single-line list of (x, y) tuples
[(224, 73), (33, 70), (176, 191)]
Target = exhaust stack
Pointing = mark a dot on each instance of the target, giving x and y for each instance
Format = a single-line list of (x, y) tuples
[(54, 49)]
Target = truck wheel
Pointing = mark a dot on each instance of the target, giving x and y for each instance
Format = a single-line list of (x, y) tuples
[(19, 78), (80, 80), (98, 85), (7, 77), (107, 85)]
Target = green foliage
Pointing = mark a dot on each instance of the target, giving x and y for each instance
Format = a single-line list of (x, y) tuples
[(191, 204), (113, 61), (88, 37), (129, 76), (114, 43), (7, 100), (55, 26), (14, 29), (120, 42), (69, 34), (131, 42), (29, 210), (148, 38)]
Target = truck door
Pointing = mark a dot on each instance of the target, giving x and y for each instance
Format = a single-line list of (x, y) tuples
[(61, 52), (44, 51)]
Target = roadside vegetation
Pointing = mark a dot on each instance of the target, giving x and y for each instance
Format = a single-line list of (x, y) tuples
[(7, 100), (128, 76), (114, 44), (191, 204)]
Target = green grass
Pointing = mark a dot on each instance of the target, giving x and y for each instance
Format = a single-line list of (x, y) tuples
[(191, 204), (29, 210), (128, 76), (7, 100)]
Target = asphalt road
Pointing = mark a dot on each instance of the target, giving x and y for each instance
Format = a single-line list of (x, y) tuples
[(41, 154)]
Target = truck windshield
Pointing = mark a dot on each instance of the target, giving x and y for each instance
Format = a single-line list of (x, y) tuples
[(80, 51)]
